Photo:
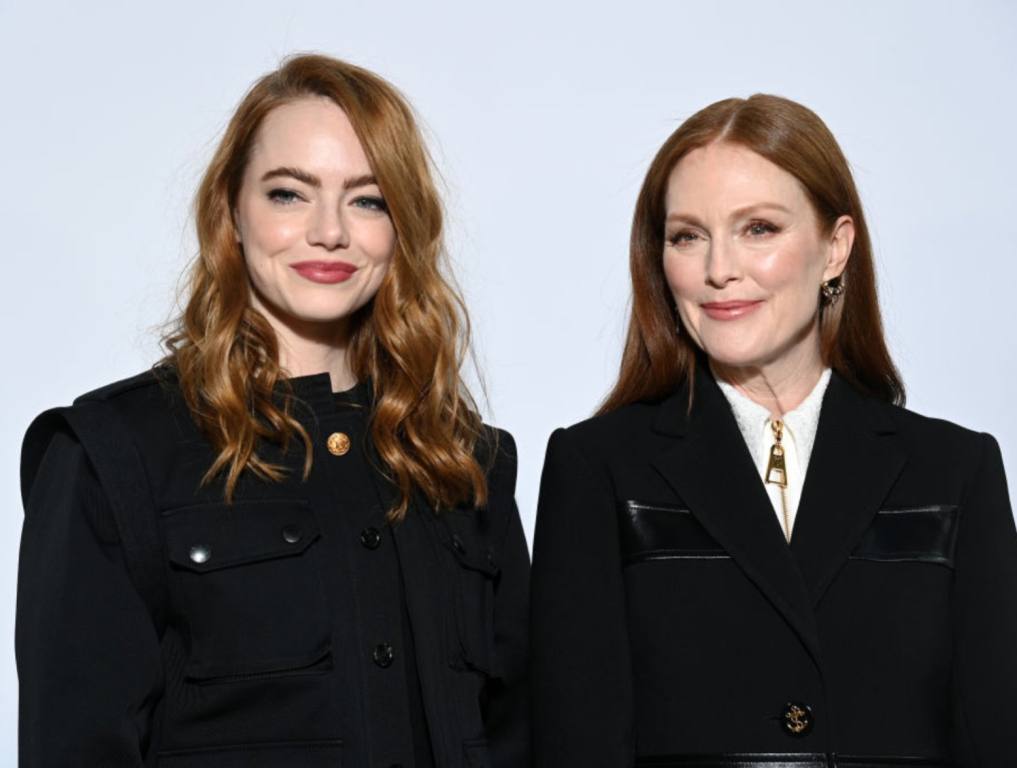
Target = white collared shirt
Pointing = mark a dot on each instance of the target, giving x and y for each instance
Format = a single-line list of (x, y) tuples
[(799, 436)]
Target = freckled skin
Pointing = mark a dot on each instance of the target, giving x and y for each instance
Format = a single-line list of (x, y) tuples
[(282, 221), (741, 228)]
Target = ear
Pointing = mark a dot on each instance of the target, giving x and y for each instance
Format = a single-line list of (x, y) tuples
[(841, 240)]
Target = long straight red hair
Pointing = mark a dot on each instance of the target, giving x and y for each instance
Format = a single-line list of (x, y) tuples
[(657, 360)]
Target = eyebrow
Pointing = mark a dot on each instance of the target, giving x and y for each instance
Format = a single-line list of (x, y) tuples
[(311, 180), (308, 178), (736, 214)]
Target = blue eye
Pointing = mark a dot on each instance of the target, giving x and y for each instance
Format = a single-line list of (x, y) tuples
[(760, 228), (371, 202), (682, 237), (283, 196)]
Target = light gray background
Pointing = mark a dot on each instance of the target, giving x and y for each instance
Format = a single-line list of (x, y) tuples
[(543, 118)]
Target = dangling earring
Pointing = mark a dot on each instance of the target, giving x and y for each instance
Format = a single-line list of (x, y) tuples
[(831, 291)]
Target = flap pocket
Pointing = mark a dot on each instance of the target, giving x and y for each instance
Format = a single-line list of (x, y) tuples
[(474, 555), (659, 532), (307, 754), (245, 583), (207, 537), (475, 577), (925, 534)]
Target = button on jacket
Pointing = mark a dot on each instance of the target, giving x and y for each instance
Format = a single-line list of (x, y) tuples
[(673, 624), (300, 628)]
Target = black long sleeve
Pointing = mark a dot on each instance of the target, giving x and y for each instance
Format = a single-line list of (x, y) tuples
[(985, 619), (582, 703), (507, 710), (87, 652)]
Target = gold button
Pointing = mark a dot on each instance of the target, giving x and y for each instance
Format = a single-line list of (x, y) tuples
[(338, 443)]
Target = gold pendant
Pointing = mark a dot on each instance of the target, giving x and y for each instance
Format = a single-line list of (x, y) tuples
[(776, 472)]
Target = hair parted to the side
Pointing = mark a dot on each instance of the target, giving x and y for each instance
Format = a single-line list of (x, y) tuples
[(656, 360), (410, 340)]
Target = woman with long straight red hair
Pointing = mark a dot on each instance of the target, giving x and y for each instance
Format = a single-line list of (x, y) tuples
[(292, 542), (753, 555)]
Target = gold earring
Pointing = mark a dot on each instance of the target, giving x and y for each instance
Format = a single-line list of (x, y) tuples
[(831, 290)]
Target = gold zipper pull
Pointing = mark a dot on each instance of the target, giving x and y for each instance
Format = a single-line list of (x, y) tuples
[(776, 471)]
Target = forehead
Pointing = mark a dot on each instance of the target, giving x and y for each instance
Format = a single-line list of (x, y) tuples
[(729, 175), (311, 133)]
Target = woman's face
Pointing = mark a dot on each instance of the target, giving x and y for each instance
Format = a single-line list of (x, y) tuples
[(316, 234), (744, 257)]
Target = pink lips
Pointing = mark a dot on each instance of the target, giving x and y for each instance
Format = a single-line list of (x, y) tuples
[(324, 271), (729, 310)]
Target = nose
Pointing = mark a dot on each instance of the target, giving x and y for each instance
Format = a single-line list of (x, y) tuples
[(722, 266), (328, 229)]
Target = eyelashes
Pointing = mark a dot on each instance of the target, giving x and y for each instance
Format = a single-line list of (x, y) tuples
[(371, 202), (759, 228), (284, 196), (755, 229)]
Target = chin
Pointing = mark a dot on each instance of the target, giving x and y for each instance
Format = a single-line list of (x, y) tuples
[(736, 353), (323, 316)]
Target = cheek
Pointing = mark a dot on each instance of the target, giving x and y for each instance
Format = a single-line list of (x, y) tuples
[(791, 275), (682, 274), (377, 241), (684, 278), (264, 231)]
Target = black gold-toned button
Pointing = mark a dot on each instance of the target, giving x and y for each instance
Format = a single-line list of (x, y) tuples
[(291, 534), (797, 719), (199, 554), (338, 443), (370, 538), (383, 655)]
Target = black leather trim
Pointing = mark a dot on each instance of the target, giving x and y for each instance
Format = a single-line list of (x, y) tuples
[(787, 760), (657, 532), (925, 534)]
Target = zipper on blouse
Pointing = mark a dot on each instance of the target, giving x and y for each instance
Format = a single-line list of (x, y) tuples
[(776, 472)]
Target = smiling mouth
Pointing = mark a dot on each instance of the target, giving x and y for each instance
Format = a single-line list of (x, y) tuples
[(729, 310), (327, 272)]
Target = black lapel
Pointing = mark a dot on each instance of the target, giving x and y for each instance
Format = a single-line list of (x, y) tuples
[(855, 461), (710, 468)]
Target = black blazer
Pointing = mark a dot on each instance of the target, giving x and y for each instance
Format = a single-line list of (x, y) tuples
[(670, 618), (300, 629)]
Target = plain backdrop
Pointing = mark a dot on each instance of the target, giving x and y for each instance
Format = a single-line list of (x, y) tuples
[(542, 118)]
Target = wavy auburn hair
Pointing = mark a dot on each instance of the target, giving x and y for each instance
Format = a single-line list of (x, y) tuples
[(656, 360), (410, 340)]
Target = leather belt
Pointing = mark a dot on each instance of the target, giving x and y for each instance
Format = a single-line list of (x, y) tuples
[(788, 760)]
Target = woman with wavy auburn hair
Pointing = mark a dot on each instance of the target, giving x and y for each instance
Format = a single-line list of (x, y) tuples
[(753, 555), (291, 542)]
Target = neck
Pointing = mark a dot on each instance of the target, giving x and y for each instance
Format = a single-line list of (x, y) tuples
[(779, 386), (300, 356), (308, 347)]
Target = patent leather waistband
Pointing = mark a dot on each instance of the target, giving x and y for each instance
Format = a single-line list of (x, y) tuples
[(788, 760)]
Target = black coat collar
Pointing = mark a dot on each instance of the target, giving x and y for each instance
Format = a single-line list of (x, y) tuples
[(854, 463)]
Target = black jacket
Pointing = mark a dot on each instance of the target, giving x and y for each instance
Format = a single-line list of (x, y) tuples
[(298, 629), (670, 618)]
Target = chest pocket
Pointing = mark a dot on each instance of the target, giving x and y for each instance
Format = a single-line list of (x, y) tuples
[(650, 532), (918, 534), (475, 576), (244, 583)]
